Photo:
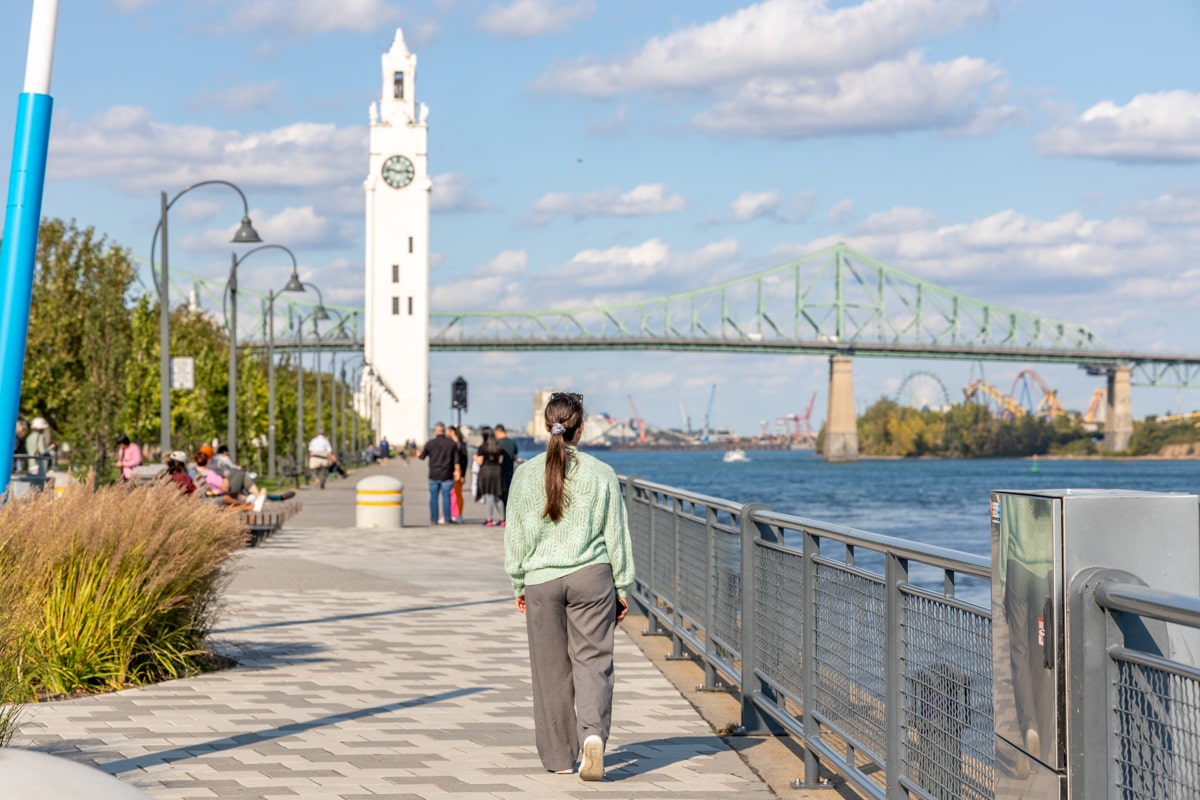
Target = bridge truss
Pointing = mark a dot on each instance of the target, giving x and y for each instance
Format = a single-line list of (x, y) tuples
[(836, 301)]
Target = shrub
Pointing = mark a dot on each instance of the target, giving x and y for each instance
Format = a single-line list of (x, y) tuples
[(109, 588)]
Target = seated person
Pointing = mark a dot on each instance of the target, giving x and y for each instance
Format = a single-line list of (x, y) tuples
[(227, 479), (177, 471)]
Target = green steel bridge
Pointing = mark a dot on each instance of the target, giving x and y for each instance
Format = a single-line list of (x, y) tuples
[(833, 302)]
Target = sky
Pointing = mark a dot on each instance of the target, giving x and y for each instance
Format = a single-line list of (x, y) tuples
[(1042, 155)]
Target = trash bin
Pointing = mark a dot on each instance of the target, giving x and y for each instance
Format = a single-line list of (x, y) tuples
[(380, 502)]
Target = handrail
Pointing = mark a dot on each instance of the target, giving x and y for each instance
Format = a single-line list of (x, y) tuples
[(932, 555), (1147, 602)]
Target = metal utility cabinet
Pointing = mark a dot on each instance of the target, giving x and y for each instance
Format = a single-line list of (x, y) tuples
[(1041, 541)]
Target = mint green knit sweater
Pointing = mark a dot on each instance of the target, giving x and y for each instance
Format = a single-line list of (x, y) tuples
[(593, 528)]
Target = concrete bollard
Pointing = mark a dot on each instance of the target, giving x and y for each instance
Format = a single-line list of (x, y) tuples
[(28, 773), (380, 502)]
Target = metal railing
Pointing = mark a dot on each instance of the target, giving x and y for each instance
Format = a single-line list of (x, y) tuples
[(1138, 702), (854, 643)]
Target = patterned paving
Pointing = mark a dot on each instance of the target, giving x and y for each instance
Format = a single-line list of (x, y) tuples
[(378, 664)]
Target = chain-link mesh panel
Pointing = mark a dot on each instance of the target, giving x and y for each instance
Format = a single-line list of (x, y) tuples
[(948, 699), (639, 532), (662, 570), (851, 630), (693, 559), (1157, 727), (726, 626), (779, 617)]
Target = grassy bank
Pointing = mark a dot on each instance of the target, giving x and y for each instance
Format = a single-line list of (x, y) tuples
[(107, 589)]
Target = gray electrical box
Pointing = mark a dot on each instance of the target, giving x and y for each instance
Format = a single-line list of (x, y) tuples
[(1040, 541)]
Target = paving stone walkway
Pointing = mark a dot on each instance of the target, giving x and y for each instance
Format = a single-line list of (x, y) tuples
[(381, 664)]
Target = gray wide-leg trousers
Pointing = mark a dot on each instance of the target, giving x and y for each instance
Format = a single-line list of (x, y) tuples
[(570, 622)]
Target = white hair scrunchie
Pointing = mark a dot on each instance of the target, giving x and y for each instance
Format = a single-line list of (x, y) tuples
[(557, 429)]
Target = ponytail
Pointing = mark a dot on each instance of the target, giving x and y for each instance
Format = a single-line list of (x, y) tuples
[(564, 415)]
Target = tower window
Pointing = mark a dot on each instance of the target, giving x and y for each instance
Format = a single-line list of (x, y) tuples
[(410, 305), (398, 85), (410, 244), (395, 273), (396, 305)]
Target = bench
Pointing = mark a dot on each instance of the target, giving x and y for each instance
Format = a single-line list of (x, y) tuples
[(261, 524), (290, 471)]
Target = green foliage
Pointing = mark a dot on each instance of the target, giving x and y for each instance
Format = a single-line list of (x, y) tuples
[(109, 588), (967, 430), (1150, 436), (79, 339)]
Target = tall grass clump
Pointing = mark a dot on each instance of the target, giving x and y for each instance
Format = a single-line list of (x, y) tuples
[(109, 588)]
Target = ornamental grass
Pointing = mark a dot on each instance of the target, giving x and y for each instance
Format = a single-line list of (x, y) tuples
[(108, 588)]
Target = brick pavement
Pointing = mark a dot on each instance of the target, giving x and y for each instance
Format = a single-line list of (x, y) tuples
[(382, 664)]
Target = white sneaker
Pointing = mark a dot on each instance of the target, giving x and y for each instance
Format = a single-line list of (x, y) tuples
[(260, 500), (592, 766)]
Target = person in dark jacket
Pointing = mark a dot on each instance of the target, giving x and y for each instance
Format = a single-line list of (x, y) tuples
[(441, 453), (490, 486)]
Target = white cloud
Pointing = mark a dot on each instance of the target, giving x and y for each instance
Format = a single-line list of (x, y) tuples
[(306, 17), (300, 227), (646, 198), (1171, 209), (241, 99), (907, 94), (528, 18), (774, 37), (126, 145), (452, 193), (509, 262), (842, 210), (751, 205), (1162, 126)]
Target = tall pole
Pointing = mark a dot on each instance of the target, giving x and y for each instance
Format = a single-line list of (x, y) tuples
[(18, 253), (320, 416), (164, 342), (299, 396), (271, 385), (231, 435)]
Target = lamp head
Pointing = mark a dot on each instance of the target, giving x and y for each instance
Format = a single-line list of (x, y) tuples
[(319, 313), (294, 284), (246, 233)]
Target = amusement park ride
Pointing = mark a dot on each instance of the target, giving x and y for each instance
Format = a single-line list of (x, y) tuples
[(1029, 396)]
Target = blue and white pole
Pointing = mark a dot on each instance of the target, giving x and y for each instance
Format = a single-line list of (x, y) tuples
[(21, 220)]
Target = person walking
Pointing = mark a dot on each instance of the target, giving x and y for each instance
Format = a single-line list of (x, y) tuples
[(568, 553), (460, 473), (441, 453), (320, 456), (490, 485), (509, 464)]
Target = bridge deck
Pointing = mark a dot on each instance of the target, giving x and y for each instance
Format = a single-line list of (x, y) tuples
[(384, 664)]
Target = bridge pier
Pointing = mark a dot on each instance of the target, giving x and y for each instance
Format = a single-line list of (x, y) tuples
[(841, 429), (1118, 420)]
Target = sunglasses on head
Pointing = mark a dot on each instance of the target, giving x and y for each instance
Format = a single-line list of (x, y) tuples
[(567, 395)]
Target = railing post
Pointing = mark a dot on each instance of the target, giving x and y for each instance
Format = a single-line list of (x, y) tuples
[(753, 720), (896, 573), (677, 651), (811, 548), (655, 626), (710, 599)]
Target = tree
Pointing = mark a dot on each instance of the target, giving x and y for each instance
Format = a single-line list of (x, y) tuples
[(79, 339)]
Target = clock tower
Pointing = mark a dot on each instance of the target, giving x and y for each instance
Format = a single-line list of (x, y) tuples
[(397, 253)]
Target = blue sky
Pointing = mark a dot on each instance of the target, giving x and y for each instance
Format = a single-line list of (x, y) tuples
[(1040, 155)]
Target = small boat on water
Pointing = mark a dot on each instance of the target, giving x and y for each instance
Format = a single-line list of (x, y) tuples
[(734, 455)]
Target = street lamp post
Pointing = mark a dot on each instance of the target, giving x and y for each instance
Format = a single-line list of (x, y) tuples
[(293, 285), (340, 331), (318, 314), (231, 321), (245, 235)]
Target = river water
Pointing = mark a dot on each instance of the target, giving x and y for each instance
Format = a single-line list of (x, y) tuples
[(936, 501)]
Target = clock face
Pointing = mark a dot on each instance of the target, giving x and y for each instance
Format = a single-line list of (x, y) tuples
[(398, 172)]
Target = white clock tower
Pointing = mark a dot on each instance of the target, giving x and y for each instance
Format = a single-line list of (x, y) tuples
[(397, 253)]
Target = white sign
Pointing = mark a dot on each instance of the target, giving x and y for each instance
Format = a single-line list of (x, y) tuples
[(183, 373)]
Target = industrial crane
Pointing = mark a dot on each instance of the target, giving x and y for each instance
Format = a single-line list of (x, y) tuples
[(708, 412), (638, 422), (798, 426)]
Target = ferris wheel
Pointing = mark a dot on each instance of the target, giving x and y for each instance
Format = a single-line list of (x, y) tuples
[(923, 390)]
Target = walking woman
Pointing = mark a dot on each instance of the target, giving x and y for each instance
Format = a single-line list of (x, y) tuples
[(490, 486), (568, 553), (460, 472)]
